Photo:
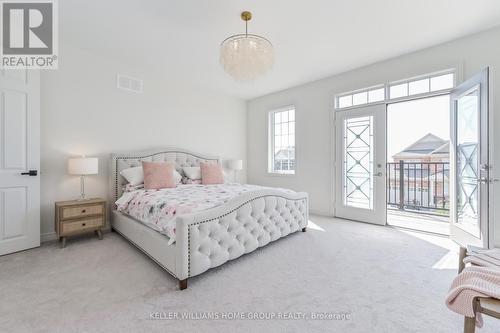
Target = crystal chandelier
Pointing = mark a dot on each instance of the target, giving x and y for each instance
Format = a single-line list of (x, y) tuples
[(246, 56)]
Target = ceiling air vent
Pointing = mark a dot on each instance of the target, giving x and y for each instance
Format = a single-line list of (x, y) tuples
[(129, 83)]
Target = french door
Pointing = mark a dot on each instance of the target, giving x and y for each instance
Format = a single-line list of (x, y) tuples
[(469, 158), (19, 160), (360, 164)]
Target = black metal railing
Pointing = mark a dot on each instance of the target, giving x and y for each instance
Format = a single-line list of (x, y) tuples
[(419, 186)]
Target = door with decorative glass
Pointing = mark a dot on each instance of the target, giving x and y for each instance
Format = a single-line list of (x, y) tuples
[(469, 156), (360, 164)]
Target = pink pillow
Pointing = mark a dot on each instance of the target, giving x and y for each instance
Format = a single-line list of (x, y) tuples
[(211, 173), (158, 175)]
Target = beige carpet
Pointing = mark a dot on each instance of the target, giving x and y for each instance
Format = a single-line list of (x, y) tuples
[(386, 279)]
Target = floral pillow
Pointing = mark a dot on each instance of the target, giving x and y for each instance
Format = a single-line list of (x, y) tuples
[(131, 188), (187, 180)]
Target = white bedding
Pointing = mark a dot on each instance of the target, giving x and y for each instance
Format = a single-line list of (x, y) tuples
[(158, 208)]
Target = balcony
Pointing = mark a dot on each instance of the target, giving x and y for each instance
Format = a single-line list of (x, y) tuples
[(418, 195)]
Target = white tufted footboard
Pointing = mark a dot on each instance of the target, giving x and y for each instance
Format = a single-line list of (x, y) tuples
[(209, 239)]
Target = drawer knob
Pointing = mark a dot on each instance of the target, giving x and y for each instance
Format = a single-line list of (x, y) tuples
[(84, 210), (83, 224)]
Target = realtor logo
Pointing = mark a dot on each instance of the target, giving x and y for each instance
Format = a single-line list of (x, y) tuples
[(29, 34)]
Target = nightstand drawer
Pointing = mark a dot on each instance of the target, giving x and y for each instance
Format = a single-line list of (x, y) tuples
[(81, 211), (81, 225)]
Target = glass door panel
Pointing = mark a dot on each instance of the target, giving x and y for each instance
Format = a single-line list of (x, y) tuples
[(467, 147), (360, 164), (469, 158)]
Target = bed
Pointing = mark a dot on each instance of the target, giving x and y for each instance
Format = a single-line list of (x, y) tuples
[(210, 237)]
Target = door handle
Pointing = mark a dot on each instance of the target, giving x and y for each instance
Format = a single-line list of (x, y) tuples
[(378, 174), (30, 173), (482, 180)]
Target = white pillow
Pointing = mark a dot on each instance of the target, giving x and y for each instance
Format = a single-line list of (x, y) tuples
[(135, 176), (193, 173)]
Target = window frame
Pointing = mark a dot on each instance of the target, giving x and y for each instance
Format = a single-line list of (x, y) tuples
[(387, 86), (360, 91), (271, 140), (430, 93)]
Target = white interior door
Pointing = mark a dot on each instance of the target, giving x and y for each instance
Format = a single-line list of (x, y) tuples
[(19, 153), (469, 158), (360, 164)]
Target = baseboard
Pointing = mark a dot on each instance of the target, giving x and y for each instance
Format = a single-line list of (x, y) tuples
[(48, 237), (320, 213)]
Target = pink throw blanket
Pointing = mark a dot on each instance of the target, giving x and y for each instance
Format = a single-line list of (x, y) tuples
[(471, 283)]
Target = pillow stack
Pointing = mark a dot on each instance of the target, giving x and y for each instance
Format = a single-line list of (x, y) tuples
[(206, 174), (158, 175), (156, 172)]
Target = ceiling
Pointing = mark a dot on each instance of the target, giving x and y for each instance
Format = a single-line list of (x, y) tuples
[(313, 39)]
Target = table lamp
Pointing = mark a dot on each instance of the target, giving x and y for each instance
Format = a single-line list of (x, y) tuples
[(83, 166), (235, 165)]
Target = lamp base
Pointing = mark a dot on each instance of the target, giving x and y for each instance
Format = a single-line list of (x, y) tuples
[(82, 189)]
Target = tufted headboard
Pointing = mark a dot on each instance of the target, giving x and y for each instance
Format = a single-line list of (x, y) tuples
[(121, 161)]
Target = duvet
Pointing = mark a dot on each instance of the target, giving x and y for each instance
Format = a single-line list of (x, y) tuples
[(158, 208)]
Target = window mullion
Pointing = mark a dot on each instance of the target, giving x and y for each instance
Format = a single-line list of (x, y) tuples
[(441, 85)]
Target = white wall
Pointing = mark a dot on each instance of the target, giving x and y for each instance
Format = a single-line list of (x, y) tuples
[(314, 102), (83, 112)]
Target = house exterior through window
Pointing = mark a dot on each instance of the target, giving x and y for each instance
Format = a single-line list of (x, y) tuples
[(282, 141)]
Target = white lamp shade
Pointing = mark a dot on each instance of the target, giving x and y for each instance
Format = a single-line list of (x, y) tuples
[(235, 164), (83, 166)]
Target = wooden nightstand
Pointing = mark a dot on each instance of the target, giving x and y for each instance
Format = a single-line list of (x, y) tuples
[(79, 216)]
